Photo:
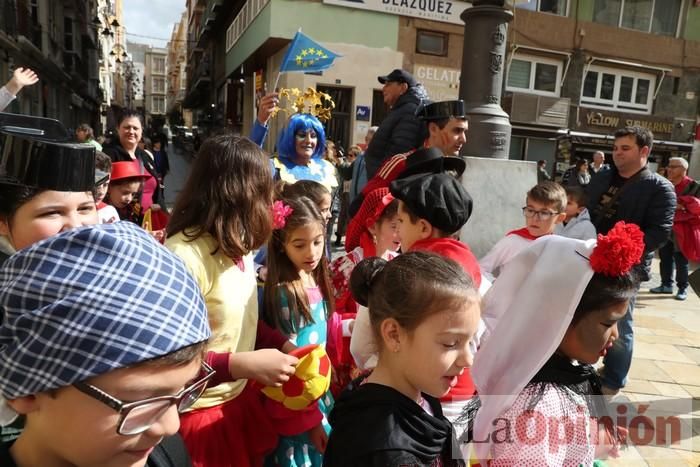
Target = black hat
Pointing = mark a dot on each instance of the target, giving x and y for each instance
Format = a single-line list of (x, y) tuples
[(441, 110), (431, 160), (399, 76), (35, 127), (45, 164), (438, 198)]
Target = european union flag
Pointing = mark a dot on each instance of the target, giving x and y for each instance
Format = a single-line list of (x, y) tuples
[(304, 54)]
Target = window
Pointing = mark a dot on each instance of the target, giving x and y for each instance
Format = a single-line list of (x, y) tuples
[(157, 104), (158, 85), (536, 75), (557, 7), (431, 43), (68, 34), (158, 65), (654, 16), (618, 89)]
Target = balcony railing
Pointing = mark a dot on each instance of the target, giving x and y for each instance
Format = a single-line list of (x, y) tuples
[(243, 19)]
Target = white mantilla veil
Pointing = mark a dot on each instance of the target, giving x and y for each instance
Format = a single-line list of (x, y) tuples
[(527, 312)]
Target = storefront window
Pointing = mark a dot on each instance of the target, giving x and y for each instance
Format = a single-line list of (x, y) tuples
[(546, 77), (637, 14), (431, 43), (654, 16), (618, 89), (557, 7), (536, 75)]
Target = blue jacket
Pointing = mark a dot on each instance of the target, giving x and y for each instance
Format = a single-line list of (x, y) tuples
[(650, 202)]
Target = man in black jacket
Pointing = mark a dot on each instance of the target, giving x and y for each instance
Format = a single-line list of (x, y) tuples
[(401, 130), (630, 192)]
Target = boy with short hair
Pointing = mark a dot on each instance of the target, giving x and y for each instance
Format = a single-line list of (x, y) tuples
[(544, 209), (72, 354), (577, 223), (432, 209)]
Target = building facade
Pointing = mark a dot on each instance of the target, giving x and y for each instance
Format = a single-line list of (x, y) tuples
[(59, 41), (575, 69), (155, 86), (177, 74)]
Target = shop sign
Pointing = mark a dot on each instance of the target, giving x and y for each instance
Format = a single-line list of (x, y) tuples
[(441, 83), (446, 11), (362, 113), (595, 121)]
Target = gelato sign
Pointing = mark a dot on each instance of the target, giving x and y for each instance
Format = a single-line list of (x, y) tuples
[(441, 83), (447, 11)]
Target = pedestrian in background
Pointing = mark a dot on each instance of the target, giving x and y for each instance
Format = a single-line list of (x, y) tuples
[(630, 192), (684, 243), (401, 130)]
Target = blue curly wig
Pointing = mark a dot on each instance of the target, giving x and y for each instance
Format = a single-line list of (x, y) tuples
[(286, 145)]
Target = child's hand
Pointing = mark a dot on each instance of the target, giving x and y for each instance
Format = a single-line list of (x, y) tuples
[(319, 438), (159, 235), (269, 367)]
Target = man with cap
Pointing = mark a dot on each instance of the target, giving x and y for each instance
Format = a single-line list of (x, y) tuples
[(401, 130), (99, 376), (446, 125)]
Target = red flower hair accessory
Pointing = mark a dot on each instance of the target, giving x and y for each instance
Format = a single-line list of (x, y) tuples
[(619, 250), (280, 212)]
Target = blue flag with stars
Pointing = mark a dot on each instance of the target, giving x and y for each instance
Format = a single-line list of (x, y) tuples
[(304, 54)]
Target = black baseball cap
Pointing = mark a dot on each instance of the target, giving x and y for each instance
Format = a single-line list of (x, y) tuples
[(399, 76)]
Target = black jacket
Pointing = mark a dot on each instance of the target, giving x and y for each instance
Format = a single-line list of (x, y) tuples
[(400, 131), (649, 202), (117, 153), (376, 426)]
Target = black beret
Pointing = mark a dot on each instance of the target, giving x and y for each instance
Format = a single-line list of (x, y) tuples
[(438, 198)]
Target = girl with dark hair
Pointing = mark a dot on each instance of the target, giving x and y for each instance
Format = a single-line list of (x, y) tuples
[(424, 311), (298, 300), (372, 232), (221, 215), (551, 315)]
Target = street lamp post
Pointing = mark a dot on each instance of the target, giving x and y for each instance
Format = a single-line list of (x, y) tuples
[(483, 62)]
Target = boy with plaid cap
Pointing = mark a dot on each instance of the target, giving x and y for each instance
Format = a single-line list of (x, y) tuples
[(102, 334)]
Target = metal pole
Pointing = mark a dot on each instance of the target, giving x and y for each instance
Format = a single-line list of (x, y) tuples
[(481, 82)]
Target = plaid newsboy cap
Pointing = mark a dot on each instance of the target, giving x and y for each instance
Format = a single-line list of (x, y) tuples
[(89, 301)]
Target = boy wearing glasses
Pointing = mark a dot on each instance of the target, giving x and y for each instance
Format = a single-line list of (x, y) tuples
[(102, 333), (544, 208)]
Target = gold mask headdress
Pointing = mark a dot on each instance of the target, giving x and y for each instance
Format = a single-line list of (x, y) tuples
[(313, 102)]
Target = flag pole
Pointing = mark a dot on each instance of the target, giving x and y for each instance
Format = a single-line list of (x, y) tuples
[(284, 60)]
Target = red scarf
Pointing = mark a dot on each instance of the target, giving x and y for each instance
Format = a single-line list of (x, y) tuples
[(523, 233)]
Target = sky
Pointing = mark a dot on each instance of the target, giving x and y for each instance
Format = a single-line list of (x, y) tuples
[(152, 18)]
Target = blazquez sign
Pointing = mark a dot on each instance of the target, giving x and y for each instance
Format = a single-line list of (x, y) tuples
[(447, 11)]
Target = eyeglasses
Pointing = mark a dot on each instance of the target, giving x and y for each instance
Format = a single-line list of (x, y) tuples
[(541, 215), (675, 167), (137, 417)]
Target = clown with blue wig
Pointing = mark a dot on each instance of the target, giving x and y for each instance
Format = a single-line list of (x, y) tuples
[(301, 144)]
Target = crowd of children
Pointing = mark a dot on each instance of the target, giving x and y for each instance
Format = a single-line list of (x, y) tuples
[(195, 326)]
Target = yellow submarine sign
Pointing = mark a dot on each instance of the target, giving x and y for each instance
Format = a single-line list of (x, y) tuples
[(447, 11)]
